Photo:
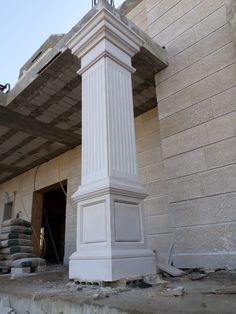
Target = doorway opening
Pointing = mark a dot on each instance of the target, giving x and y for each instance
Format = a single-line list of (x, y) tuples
[(48, 220)]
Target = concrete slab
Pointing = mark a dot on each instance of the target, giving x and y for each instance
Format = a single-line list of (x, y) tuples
[(50, 292)]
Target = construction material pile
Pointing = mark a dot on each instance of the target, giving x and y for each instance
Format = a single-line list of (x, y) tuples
[(16, 249)]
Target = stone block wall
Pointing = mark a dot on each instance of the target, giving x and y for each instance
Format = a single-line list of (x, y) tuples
[(68, 167), (197, 114)]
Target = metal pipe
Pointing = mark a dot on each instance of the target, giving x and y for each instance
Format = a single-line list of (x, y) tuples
[(95, 2)]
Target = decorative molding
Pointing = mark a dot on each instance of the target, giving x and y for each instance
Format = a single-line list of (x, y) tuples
[(105, 25)]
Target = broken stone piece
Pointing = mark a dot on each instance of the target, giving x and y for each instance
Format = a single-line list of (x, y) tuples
[(169, 292)]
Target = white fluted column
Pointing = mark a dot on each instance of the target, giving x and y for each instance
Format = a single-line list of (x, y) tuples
[(110, 235)]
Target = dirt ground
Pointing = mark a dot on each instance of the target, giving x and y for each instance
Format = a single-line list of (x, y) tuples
[(210, 293)]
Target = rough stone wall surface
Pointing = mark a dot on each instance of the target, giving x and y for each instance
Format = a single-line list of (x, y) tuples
[(231, 16), (68, 167), (197, 113), (65, 167)]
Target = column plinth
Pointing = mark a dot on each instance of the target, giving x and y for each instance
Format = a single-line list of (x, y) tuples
[(110, 234)]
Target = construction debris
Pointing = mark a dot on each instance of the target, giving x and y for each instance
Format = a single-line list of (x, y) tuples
[(197, 276), (222, 291), (166, 292), (171, 270)]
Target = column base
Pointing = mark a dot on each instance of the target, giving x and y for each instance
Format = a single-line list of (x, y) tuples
[(123, 265)]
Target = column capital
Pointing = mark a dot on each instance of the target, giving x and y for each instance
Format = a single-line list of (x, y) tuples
[(105, 26)]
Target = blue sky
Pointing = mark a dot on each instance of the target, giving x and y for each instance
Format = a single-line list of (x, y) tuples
[(26, 24)]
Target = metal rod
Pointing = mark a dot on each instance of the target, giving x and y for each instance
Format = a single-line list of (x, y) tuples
[(95, 2), (51, 237)]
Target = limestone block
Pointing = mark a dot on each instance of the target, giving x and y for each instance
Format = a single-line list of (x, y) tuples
[(224, 102), (185, 141), (206, 210), (214, 84), (201, 239), (181, 42), (186, 119), (222, 127), (142, 175), (231, 17), (156, 206), (150, 141), (208, 7), (190, 4), (220, 180), (71, 221), (185, 164), (158, 224), (160, 9), (156, 24), (217, 181), (174, 103), (181, 80), (156, 188), (193, 212), (155, 172), (150, 4), (149, 157), (185, 188), (221, 154), (211, 23), (220, 59), (160, 242), (70, 235), (231, 229), (178, 27)]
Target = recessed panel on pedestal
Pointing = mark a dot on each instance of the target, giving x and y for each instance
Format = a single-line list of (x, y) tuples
[(127, 222), (93, 223)]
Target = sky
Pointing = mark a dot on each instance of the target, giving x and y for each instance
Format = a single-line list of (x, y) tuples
[(26, 24)]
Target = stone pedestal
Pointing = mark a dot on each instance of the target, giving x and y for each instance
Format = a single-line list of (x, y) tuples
[(110, 235)]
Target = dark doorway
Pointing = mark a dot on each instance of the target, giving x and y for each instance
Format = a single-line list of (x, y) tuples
[(53, 225), (48, 221)]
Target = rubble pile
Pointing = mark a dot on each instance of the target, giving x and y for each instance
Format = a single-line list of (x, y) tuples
[(16, 250)]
